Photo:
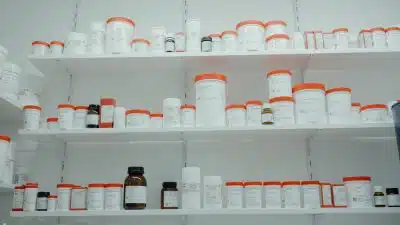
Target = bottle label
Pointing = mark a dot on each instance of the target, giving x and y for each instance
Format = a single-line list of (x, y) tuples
[(18, 199), (380, 200), (212, 196), (393, 200), (41, 203), (107, 113), (267, 117), (170, 199), (135, 194), (92, 119)]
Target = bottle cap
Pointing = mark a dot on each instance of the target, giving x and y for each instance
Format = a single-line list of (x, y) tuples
[(392, 191), (135, 169), (169, 184), (378, 189), (42, 194), (170, 35)]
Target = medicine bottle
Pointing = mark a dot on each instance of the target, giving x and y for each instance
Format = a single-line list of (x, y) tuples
[(135, 189), (41, 202), (267, 115), (206, 44), (170, 43), (93, 116), (169, 195), (379, 196), (393, 198)]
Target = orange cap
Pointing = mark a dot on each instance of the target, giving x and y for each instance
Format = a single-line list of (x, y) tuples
[(275, 36), (234, 183), (121, 19), (267, 183), (5, 138), (137, 111), (281, 99), (247, 22), (61, 106), (336, 185), (78, 187), (229, 32), (107, 101), (140, 40), (235, 106), (250, 183), (275, 22), (392, 29), (373, 106), (356, 104), (81, 107), (336, 89), (96, 185), (291, 182), (32, 107), (326, 183), (41, 43), (279, 72), (187, 106), (342, 29), (310, 182), (214, 35), (32, 185), (210, 76), (305, 86), (65, 185), (57, 43), (113, 185), (52, 119), (52, 196), (378, 29), (157, 115), (254, 102), (365, 30), (357, 178)]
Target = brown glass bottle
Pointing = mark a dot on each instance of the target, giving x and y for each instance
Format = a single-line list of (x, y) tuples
[(169, 195), (135, 185)]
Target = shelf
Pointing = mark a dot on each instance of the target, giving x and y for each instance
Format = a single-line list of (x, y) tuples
[(4, 188), (208, 212), (9, 110), (366, 131)]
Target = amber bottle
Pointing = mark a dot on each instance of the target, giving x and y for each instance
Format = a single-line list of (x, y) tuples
[(135, 189)]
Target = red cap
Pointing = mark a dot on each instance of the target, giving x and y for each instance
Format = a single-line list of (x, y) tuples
[(357, 178), (305, 86), (107, 101), (373, 106), (5, 138), (96, 185), (254, 102), (65, 185), (267, 183), (113, 185), (52, 119), (32, 107), (291, 182), (251, 183), (60, 106), (310, 182), (210, 76), (187, 106), (235, 106), (137, 111), (336, 89), (234, 183)]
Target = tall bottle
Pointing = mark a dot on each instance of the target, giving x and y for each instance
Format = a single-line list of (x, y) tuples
[(135, 189)]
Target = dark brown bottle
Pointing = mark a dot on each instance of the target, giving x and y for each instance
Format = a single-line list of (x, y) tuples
[(169, 195), (135, 189)]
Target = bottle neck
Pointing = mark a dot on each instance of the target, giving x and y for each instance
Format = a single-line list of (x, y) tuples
[(135, 174)]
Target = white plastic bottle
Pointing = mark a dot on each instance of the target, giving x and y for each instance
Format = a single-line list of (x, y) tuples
[(212, 192)]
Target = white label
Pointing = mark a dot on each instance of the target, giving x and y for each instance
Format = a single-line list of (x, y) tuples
[(339, 195), (393, 39), (65, 118), (137, 120), (30, 199), (310, 107), (170, 199), (51, 204), (113, 199), (380, 200), (283, 113), (253, 115), (206, 46), (393, 200), (267, 117), (31, 119), (63, 199), (339, 107), (216, 44), (374, 115), (253, 197), (311, 196), (92, 119), (188, 118), (379, 39), (210, 103), (277, 43), (326, 195), (172, 116), (158, 41), (252, 37), (80, 119), (78, 199), (18, 199), (135, 194), (235, 197), (96, 199), (229, 43), (41, 203), (107, 113), (273, 197), (359, 195), (292, 196), (75, 47), (191, 196), (236, 117), (212, 196)]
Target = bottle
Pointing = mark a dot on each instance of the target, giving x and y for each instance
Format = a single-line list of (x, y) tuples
[(169, 195), (379, 196), (135, 189), (267, 115), (41, 202), (170, 43), (206, 44), (93, 116), (393, 198)]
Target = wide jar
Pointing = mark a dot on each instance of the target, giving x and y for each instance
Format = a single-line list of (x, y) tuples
[(311, 194), (188, 115), (229, 41), (113, 196), (253, 193), (310, 103), (140, 45), (275, 27), (32, 117), (253, 112), (279, 83), (95, 198), (393, 37), (378, 37), (277, 42), (40, 48), (80, 117), (272, 194), (210, 99), (283, 109), (56, 48), (234, 191), (64, 196), (291, 192), (156, 120), (342, 37), (338, 101), (65, 116), (18, 198), (137, 118), (78, 198), (30, 196), (374, 113), (236, 115), (339, 196), (250, 35), (359, 192), (119, 33)]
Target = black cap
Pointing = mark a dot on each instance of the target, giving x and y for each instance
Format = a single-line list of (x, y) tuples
[(392, 191), (206, 38), (42, 194), (169, 184), (135, 170), (94, 107)]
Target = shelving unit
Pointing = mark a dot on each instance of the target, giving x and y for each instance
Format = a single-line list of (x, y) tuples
[(6, 188), (9, 110)]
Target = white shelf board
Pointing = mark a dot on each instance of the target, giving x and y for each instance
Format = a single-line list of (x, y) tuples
[(208, 212), (9, 110), (381, 130), (6, 188)]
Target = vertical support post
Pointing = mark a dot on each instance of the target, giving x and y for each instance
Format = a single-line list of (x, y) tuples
[(309, 167)]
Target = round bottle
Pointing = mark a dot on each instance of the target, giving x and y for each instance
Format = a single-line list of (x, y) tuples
[(393, 197), (206, 44), (135, 189), (169, 195), (379, 196), (92, 116), (170, 43)]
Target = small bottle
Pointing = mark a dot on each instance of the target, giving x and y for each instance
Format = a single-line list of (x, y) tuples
[(267, 117), (379, 196), (170, 43), (206, 44), (41, 202), (135, 189), (393, 198), (93, 116), (169, 195)]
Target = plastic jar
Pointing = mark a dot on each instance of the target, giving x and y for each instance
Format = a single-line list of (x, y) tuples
[(180, 42), (342, 37), (78, 198), (311, 194), (96, 38), (215, 42), (327, 198), (52, 123), (9, 82), (30, 196), (119, 33), (107, 107), (339, 105), (170, 42), (137, 118), (95, 199), (119, 117), (80, 117), (378, 37), (250, 35), (229, 41), (253, 193), (283, 109), (212, 192), (65, 116), (330, 41), (339, 196), (310, 103), (56, 48), (113, 196), (64, 196), (32, 117), (314, 39), (365, 39), (279, 83), (355, 112), (51, 203), (253, 112), (40, 48), (210, 100), (273, 194), (156, 120), (188, 115), (393, 37), (359, 192), (172, 112), (234, 191), (193, 37), (291, 192), (236, 115), (277, 42), (374, 113), (140, 45), (275, 27), (18, 198), (76, 44)]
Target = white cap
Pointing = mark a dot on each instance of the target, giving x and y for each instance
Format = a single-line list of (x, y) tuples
[(98, 26), (266, 105), (191, 174), (378, 189)]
